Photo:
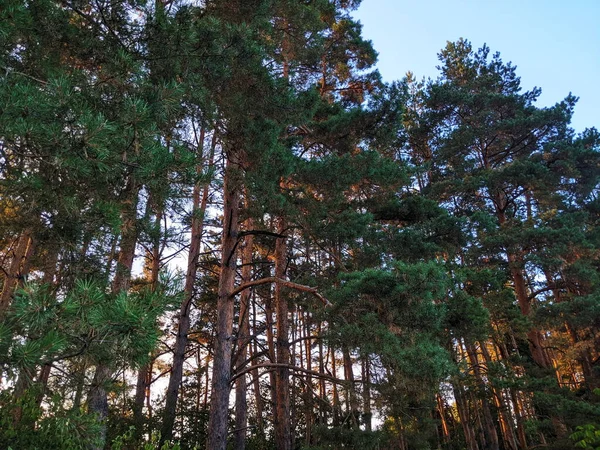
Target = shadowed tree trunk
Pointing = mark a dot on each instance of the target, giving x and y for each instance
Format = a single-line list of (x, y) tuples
[(198, 211), (241, 407), (282, 404), (97, 395), (219, 405), (19, 268), (144, 377)]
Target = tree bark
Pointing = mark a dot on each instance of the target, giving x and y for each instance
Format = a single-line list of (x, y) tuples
[(97, 396), (219, 405), (256, 382), (366, 377), (144, 376), (351, 398), (183, 326), (18, 270), (282, 373), (241, 407), (489, 430)]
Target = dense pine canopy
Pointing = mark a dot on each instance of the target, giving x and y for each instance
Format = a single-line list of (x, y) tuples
[(219, 228)]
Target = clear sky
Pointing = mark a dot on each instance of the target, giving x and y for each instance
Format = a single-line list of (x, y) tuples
[(555, 44)]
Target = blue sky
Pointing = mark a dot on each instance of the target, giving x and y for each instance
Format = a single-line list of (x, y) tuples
[(555, 44)]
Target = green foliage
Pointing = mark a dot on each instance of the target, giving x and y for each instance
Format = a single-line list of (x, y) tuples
[(56, 428), (88, 322), (587, 437), (129, 441), (333, 438)]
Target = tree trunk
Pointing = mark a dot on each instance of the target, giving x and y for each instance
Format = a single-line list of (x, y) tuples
[(310, 414), (282, 373), (183, 326), (256, 382), (144, 377), (98, 401), (489, 430), (219, 405), (322, 386), (97, 396), (351, 398), (465, 419), (18, 270), (504, 411), (241, 407), (334, 388), (366, 377), (445, 430)]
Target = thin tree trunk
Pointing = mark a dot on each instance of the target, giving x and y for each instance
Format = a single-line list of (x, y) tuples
[(322, 386), (183, 326), (219, 405), (441, 407), (97, 396), (144, 376), (271, 349), (465, 419), (351, 397), (489, 430), (310, 414), (366, 377), (241, 407), (504, 416), (515, 262), (256, 381), (334, 387), (282, 373)]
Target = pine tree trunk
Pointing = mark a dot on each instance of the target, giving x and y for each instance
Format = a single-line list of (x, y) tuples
[(141, 387), (489, 430), (271, 351), (465, 418), (445, 430), (366, 377), (533, 335), (515, 262), (241, 407), (98, 401), (97, 396), (219, 405), (144, 376), (282, 404), (183, 326), (256, 382), (322, 386), (334, 388), (18, 270), (351, 398), (504, 416)]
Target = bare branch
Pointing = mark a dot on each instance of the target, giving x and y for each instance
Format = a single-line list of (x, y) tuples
[(291, 367), (288, 284)]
